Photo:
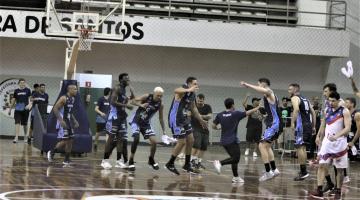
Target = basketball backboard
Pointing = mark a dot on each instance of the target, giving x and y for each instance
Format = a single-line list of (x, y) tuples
[(66, 18)]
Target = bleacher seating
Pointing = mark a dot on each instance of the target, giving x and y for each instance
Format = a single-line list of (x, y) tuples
[(272, 12)]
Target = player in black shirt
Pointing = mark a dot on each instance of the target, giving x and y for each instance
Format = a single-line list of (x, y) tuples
[(22, 103), (229, 121), (102, 110), (40, 99), (201, 135), (253, 125), (353, 137), (317, 108), (286, 111)]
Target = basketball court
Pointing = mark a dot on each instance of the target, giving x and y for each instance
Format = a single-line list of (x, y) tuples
[(25, 174), (160, 43)]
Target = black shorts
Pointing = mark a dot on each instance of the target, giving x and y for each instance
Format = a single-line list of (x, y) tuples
[(201, 139), (21, 117), (65, 133), (272, 138), (303, 136), (117, 126), (100, 127), (181, 131), (145, 129), (253, 135)]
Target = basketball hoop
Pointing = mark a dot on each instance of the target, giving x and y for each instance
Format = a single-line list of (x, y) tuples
[(86, 36)]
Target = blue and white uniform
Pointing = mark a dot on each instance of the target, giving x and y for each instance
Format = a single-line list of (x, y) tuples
[(179, 121), (272, 121), (116, 121), (303, 129), (140, 122), (66, 112)]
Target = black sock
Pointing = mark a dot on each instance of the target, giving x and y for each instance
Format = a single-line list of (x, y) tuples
[(67, 157), (267, 167), (125, 151), (303, 169), (272, 164), (151, 160), (135, 144), (118, 155), (125, 159), (234, 168), (320, 188), (172, 160), (53, 152), (131, 161), (345, 172), (107, 155), (187, 159), (328, 179)]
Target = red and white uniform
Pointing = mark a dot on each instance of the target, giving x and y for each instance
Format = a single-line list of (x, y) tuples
[(334, 152)]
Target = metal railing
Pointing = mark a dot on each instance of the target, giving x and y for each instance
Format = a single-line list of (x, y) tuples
[(337, 7), (228, 11)]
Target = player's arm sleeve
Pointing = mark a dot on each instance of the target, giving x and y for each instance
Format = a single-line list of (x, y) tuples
[(98, 103), (240, 115), (216, 122)]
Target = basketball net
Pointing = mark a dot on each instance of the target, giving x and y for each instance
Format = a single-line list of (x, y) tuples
[(86, 37)]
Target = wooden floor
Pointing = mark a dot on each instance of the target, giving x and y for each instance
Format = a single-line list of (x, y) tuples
[(25, 174)]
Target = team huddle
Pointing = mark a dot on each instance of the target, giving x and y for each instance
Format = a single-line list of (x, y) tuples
[(340, 119)]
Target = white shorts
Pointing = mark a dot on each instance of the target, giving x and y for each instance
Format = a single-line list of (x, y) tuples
[(334, 153), (339, 162)]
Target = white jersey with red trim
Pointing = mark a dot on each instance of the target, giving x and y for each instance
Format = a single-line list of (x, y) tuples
[(334, 124)]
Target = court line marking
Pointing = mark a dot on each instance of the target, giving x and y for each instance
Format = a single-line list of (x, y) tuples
[(356, 188), (291, 197), (3, 195)]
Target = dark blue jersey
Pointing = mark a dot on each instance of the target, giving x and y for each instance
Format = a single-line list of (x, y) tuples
[(353, 122), (179, 109), (229, 121), (104, 105), (22, 98), (142, 115), (303, 120), (42, 100)]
